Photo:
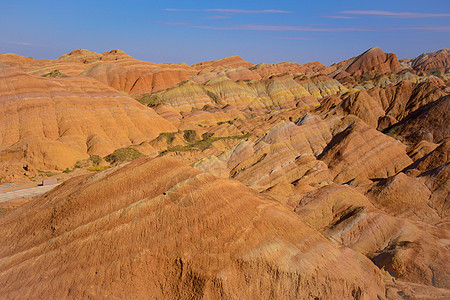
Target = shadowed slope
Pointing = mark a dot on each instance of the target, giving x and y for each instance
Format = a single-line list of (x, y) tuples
[(430, 122)]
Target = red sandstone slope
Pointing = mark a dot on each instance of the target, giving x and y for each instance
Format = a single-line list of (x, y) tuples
[(158, 228), (50, 123), (373, 59), (228, 62), (306, 143), (430, 122), (433, 60), (115, 68)]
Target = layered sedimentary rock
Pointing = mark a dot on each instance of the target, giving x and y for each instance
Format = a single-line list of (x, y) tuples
[(433, 60), (267, 70), (50, 123), (359, 103), (114, 68), (382, 107), (429, 122), (282, 162), (373, 60), (137, 79), (311, 199), (169, 231), (410, 251), (320, 86), (228, 62), (361, 152), (279, 92), (399, 100)]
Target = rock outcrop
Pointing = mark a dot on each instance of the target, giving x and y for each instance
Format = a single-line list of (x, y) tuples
[(361, 152), (50, 123), (373, 60), (429, 122), (168, 231), (307, 182), (433, 60)]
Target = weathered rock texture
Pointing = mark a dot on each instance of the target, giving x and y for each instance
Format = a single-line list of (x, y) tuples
[(158, 228), (373, 60), (50, 123), (310, 182)]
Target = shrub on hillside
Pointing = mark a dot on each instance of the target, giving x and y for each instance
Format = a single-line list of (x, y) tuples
[(122, 155)]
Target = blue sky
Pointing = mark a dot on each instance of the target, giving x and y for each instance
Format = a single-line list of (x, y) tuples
[(194, 31)]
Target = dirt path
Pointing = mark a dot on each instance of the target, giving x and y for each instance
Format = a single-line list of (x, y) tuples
[(29, 192)]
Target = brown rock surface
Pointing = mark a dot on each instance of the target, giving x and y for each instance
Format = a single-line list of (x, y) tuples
[(267, 70), (410, 251), (361, 152), (403, 98), (433, 60), (404, 196), (179, 235), (280, 92), (281, 162), (360, 104), (430, 122), (115, 68), (50, 123), (227, 62), (320, 204), (373, 60)]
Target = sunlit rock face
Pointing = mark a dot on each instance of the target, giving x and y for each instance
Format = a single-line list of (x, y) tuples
[(285, 180)]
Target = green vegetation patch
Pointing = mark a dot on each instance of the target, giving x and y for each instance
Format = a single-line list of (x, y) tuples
[(190, 136), (168, 136), (150, 100), (55, 74), (203, 144), (95, 159), (122, 155)]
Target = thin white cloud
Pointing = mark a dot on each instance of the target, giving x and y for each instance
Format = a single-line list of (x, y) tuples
[(310, 28), (384, 13), (19, 43), (232, 11), (256, 27)]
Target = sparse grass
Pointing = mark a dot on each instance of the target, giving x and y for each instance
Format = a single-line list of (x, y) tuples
[(190, 136), (203, 144), (67, 171), (55, 74), (122, 155), (169, 136), (178, 148), (97, 168), (231, 122), (3, 212), (95, 159), (46, 173), (207, 107), (150, 100)]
